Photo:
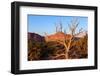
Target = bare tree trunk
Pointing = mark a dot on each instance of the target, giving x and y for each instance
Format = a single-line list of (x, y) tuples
[(66, 51), (69, 44), (66, 54), (67, 47)]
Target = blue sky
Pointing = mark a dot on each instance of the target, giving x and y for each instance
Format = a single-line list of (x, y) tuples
[(43, 23)]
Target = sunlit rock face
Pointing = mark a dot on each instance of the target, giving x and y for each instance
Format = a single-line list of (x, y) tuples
[(57, 36)]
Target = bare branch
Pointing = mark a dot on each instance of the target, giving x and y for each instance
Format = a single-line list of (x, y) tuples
[(56, 26), (60, 26), (59, 41), (80, 30), (58, 55), (45, 34), (74, 24), (64, 31)]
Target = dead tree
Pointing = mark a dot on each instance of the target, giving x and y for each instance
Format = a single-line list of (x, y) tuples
[(67, 42)]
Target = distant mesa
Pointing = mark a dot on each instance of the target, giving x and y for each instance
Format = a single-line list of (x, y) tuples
[(54, 37), (57, 36), (35, 37), (62, 36)]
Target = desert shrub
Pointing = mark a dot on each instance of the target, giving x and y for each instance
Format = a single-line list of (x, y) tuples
[(79, 48), (34, 49), (50, 50)]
